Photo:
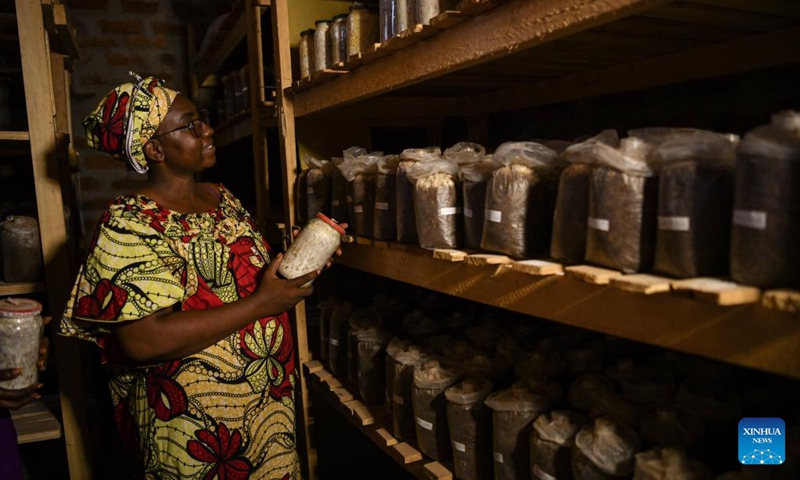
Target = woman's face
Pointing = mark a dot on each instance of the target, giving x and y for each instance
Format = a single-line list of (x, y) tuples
[(182, 150)]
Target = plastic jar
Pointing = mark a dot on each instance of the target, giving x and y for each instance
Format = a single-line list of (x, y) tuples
[(20, 334), (22, 250), (312, 248), (306, 51), (338, 35), (322, 45), (362, 28), (387, 12)]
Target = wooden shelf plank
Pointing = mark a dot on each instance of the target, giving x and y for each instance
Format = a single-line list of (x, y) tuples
[(404, 453), (19, 136), (35, 423), (509, 27), (746, 335), (21, 288)]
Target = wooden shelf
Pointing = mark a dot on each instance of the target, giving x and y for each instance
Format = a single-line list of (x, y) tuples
[(21, 288), (18, 136), (35, 422), (344, 400), (522, 53), (747, 335), (241, 126)]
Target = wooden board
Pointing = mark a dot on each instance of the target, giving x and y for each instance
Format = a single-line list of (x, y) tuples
[(12, 136), (449, 255), (483, 259), (35, 422), (538, 267), (386, 436), (314, 366), (783, 300), (719, 292), (642, 283), (20, 288), (437, 471), (593, 275), (406, 453)]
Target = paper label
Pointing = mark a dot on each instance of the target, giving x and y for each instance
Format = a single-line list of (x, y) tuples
[(495, 216), (335, 203), (335, 342), (381, 205), (468, 212), (459, 446), (498, 457), (358, 209), (677, 224), (398, 399), (750, 219), (601, 224), (449, 211), (349, 199), (326, 339), (310, 190), (426, 425), (541, 474)]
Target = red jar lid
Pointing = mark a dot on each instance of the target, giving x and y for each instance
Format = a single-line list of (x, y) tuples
[(19, 307), (332, 223)]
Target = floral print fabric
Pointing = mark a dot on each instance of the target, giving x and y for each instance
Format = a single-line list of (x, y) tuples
[(226, 412)]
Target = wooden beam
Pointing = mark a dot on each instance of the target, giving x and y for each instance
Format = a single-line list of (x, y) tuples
[(12, 136), (20, 288), (513, 26), (735, 56), (668, 320)]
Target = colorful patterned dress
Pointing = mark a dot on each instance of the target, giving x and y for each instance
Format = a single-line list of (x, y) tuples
[(226, 412)]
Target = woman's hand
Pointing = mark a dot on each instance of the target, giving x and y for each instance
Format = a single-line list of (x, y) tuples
[(276, 295), (338, 253), (16, 399)]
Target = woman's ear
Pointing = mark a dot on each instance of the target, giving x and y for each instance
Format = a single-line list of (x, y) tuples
[(153, 151)]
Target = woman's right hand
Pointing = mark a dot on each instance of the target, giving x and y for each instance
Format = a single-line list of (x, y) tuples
[(16, 399), (276, 295)]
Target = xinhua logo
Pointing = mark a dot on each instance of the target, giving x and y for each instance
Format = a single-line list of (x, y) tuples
[(762, 441)]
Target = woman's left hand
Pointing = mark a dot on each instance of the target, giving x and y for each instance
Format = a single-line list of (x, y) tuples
[(296, 232)]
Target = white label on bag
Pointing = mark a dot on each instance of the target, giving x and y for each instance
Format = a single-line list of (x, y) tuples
[(358, 209), (750, 219), (349, 199), (398, 399), (468, 212), (335, 203), (335, 342), (449, 211), (677, 224), (541, 474), (495, 216), (601, 224), (326, 339), (459, 446), (382, 205), (426, 425), (310, 190), (498, 457)]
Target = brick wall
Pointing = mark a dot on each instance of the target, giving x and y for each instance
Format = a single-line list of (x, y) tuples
[(115, 36)]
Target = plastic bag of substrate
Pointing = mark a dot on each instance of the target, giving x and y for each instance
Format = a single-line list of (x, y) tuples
[(431, 379), (516, 222), (470, 424), (406, 218), (474, 180), (437, 204), (384, 225), (604, 449)]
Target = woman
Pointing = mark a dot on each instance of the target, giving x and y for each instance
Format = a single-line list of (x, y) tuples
[(180, 293)]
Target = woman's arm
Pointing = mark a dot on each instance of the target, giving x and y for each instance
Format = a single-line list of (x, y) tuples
[(168, 334)]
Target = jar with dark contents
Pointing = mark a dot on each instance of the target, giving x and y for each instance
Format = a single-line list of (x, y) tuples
[(337, 348), (431, 379), (470, 424), (405, 15), (338, 34), (552, 441), (322, 45), (362, 28), (372, 365), (402, 386), (361, 320), (306, 52), (22, 250)]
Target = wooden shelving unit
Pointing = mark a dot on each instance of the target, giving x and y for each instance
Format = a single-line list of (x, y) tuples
[(21, 288), (14, 136)]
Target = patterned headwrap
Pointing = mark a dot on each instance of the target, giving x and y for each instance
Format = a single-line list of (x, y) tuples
[(127, 117)]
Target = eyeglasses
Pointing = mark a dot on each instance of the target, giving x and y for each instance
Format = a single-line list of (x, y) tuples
[(195, 126)]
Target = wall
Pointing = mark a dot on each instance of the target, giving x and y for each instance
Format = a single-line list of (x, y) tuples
[(303, 14), (114, 37)]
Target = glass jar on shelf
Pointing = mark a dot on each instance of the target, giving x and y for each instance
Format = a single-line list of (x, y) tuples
[(362, 28), (306, 52), (322, 45), (405, 15), (338, 34), (387, 11)]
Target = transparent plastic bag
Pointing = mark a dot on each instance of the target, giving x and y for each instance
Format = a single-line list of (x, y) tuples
[(360, 175), (552, 440), (622, 208), (431, 379), (337, 349), (437, 204), (672, 427), (470, 424), (340, 199), (516, 221), (765, 250), (695, 203), (668, 464), (513, 411), (361, 319), (403, 422), (384, 226), (474, 180), (317, 187), (395, 346), (568, 242), (325, 315), (604, 449), (372, 365), (406, 218), (463, 153)]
